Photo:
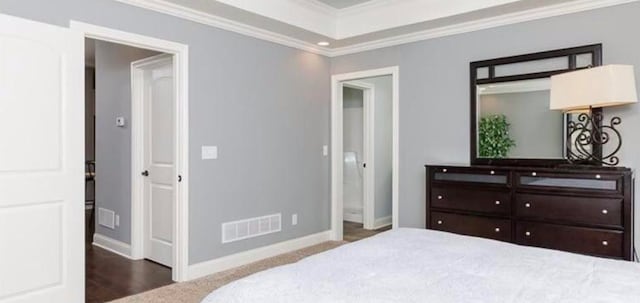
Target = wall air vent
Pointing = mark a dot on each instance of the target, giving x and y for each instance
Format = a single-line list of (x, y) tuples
[(249, 228), (106, 218)]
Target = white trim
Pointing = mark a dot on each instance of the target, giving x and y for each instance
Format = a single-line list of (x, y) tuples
[(300, 13), (179, 11), (227, 262), (186, 13), (355, 218), (476, 25), (112, 245), (180, 54), (382, 222), (337, 145), (368, 111)]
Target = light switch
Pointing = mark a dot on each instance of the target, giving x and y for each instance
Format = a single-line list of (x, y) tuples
[(209, 152), (325, 150)]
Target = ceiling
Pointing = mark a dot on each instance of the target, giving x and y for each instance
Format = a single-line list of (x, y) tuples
[(343, 3), (351, 26)]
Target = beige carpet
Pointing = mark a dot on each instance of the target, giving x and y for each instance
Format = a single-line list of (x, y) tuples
[(194, 291)]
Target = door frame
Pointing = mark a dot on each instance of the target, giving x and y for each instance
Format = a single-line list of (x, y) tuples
[(337, 150), (139, 219), (368, 154), (180, 54)]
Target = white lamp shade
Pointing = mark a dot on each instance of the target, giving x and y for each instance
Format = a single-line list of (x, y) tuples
[(601, 86)]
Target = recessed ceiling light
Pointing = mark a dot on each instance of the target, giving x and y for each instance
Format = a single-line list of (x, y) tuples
[(323, 43)]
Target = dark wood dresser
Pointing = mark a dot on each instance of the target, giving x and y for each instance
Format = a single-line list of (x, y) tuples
[(583, 210)]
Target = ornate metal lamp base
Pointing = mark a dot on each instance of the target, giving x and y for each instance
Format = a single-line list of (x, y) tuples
[(588, 132)]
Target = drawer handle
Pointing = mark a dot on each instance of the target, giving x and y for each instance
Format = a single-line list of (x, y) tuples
[(528, 234), (534, 174), (444, 170), (492, 172), (527, 205), (497, 202), (497, 229), (605, 243), (598, 177), (439, 197), (439, 222), (604, 211)]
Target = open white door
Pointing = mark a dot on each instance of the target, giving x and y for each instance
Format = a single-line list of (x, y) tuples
[(155, 75), (41, 163)]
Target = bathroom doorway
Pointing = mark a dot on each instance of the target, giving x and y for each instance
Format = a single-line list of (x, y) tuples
[(363, 155)]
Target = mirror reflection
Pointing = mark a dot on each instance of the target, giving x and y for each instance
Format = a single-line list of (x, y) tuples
[(514, 121)]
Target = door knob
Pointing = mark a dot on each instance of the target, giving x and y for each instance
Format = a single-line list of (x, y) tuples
[(145, 173)]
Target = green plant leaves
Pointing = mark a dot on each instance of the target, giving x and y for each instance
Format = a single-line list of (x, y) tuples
[(493, 136)]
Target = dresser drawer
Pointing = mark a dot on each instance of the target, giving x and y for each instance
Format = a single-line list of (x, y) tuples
[(590, 241), (497, 229), (600, 211), (486, 201)]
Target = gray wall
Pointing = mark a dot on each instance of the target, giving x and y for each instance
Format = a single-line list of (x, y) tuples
[(536, 130), (434, 86), (265, 106), (113, 144)]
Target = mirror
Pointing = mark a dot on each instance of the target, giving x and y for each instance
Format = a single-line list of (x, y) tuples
[(514, 121), (511, 120)]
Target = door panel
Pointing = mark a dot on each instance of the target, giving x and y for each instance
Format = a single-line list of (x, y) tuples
[(41, 162), (159, 160)]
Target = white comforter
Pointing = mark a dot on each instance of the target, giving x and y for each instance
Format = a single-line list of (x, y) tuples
[(416, 265)]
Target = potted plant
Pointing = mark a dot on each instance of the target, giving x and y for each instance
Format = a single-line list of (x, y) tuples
[(494, 137)]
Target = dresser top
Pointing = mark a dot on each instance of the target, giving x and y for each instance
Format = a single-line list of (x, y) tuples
[(564, 167)]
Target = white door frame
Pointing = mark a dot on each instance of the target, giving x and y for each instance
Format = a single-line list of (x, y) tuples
[(337, 148), (368, 154), (180, 54)]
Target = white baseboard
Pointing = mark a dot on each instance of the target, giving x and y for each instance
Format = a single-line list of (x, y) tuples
[(112, 245), (382, 222), (227, 262), (349, 217)]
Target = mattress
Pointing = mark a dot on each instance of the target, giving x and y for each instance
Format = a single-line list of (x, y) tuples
[(417, 265)]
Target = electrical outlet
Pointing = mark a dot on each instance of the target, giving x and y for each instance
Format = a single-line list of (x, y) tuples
[(325, 150), (117, 220), (294, 219)]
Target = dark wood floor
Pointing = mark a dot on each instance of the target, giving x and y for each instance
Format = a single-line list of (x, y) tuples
[(110, 276), (355, 231)]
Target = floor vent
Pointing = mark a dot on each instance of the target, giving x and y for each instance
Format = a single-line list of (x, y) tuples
[(106, 218), (249, 228)]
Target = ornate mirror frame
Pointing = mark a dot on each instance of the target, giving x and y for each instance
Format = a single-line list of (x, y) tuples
[(489, 66)]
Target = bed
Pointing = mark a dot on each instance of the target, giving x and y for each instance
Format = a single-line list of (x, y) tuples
[(418, 265)]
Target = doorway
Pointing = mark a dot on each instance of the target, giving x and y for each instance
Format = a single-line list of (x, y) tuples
[(148, 231), (180, 180), (364, 158), (112, 119)]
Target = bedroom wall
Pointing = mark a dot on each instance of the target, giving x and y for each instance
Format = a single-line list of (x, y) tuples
[(434, 87), (113, 143), (269, 129)]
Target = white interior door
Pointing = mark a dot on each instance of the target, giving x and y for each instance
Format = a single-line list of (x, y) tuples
[(41, 162), (159, 138)]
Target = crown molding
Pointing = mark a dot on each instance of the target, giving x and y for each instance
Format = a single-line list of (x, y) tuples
[(179, 11), (476, 25), (226, 24), (318, 5)]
